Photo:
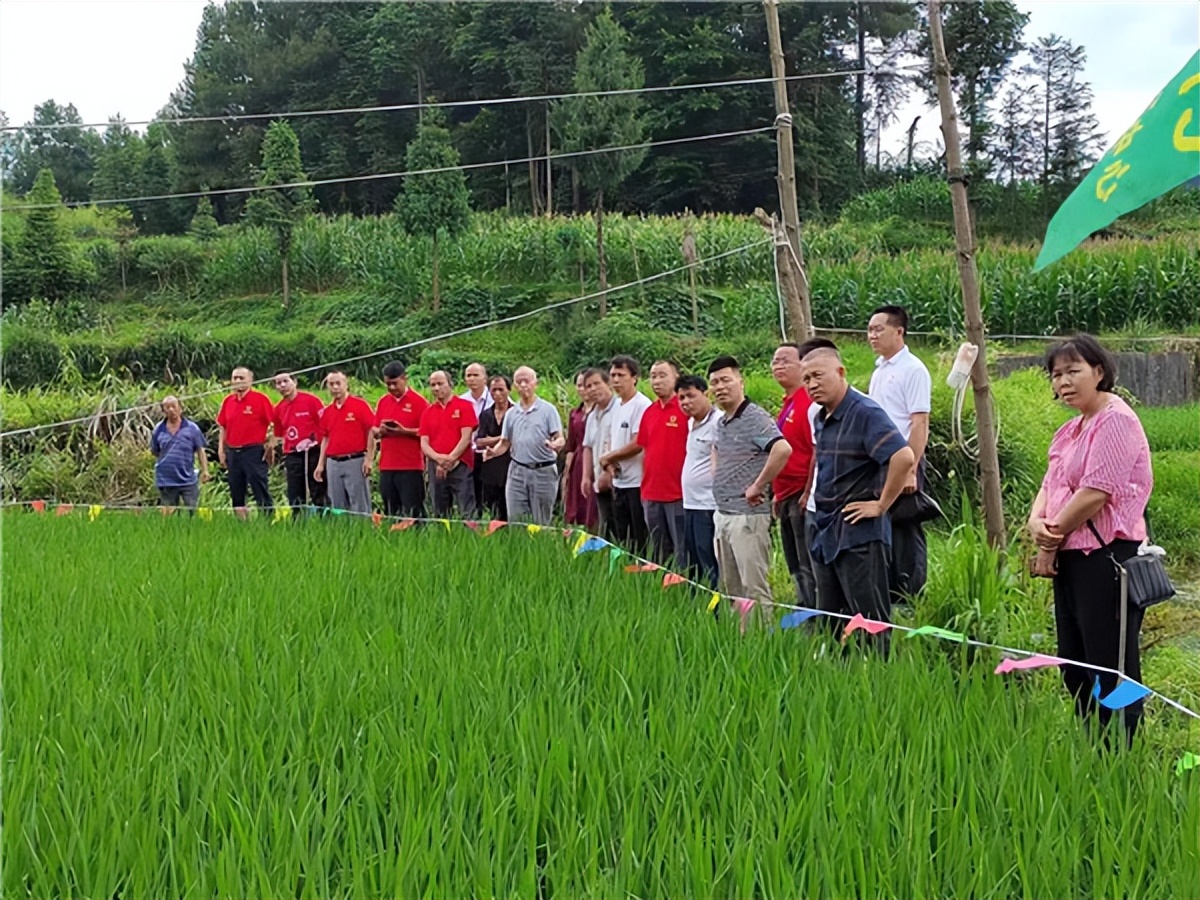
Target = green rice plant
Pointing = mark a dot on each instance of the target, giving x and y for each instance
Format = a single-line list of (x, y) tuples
[(323, 709)]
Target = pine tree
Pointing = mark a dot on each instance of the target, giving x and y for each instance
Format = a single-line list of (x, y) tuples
[(1067, 133), (204, 223), (589, 123), (280, 208), (436, 205), (44, 264)]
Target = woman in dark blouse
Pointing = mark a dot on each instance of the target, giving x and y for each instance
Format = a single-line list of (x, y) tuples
[(577, 510), (493, 473)]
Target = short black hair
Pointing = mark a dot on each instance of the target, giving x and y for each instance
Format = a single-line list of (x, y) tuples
[(723, 362), (1084, 347), (507, 381), (394, 369), (691, 381), (814, 344), (593, 371), (670, 362), (897, 315), (628, 363)]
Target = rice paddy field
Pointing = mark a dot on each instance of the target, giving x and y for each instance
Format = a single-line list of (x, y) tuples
[(323, 709)]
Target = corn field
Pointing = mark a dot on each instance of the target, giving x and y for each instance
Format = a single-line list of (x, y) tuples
[(191, 712)]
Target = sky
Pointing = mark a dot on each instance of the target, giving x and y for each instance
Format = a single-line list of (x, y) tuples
[(127, 56)]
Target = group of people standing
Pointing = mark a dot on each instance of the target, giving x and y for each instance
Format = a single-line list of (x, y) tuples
[(695, 476)]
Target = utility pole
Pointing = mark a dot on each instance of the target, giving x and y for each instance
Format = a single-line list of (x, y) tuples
[(964, 239), (789, 253)]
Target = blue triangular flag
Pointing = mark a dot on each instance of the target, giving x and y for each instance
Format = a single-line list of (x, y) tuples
[(591, 544), (1123, 694), (798, 618)]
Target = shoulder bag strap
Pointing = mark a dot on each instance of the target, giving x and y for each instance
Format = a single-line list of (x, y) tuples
[(1096, 533)]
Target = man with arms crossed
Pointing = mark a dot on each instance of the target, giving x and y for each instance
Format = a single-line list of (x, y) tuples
[(347, 447), (849, 534), (901, 385), (532, 432), (243, 422), (750, 452), (401, 462), (791, 485)]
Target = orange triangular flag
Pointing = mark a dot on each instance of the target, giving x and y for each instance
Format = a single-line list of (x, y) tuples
[(38, 506), (643, 567), (402, 525), (63, 509), (377, 519), (672, 578)]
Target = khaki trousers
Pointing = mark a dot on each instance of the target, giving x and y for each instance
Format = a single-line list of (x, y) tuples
[(744, 557)]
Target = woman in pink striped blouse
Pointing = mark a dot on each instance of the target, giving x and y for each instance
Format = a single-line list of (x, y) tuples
[(1099, 472)]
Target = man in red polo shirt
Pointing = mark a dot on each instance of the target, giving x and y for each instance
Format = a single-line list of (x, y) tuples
[(791, 485), (242, 422), (401, 462), (297, 431), (347, 447), (663, 439), (446, 429)]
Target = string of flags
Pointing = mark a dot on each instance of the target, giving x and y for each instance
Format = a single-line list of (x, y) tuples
[(1126, 692)]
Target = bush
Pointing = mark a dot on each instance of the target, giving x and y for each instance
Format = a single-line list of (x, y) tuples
[(169, 261)]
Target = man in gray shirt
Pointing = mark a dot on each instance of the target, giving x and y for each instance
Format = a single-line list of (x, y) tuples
[(597, 441), (532, 434), (749, 452)]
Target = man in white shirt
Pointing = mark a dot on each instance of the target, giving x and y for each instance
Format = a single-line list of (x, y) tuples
[(624, 461), (902, 386), (699, 532), (597, 441), (478, 395)]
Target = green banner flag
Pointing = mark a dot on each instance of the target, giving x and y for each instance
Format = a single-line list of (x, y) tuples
[(1159, 151)]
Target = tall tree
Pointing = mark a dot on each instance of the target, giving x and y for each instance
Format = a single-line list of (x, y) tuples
[(160, 176), (884, 31), (589, 123), (69, 150), (119, 166), (281, 207), (44, 264), (982, 39), (436, 204), (1067, 132)]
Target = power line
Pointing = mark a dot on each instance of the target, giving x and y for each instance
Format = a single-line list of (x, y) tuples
[(33, 429), (446, 104), (383, 175)]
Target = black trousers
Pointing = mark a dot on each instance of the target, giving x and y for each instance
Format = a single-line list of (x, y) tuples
[(795, 549), (604, 516), (247, 468), (907, 572), (403, 493), (494, 501), (302, 489), (629, 520), (856, 582), (458, 487), (1087, 597)]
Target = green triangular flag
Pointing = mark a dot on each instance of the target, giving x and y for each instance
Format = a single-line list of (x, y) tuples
[(934, 631), (1187, 761), (1159, 151), (614, 554)]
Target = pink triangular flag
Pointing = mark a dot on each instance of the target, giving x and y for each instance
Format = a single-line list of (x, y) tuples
[(743, 605), (377, 519), (474, 526), (1037, 661), (495, 525), (38, 506), (63, 509), (868, 625), (671, 578)]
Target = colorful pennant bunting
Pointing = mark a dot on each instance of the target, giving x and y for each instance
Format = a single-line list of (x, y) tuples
[(934, 631), (672, 578), (743, 605), (1037, 661), (167, 510), (376, 519), (403, 525), (798, 618), (63, 509), (533, 529), (38, 506), (474, 526), (1123, 694), (614, 554), (643, 567), (283, 513), (589, 544), (865, 624), (205, 513), (714, 602), (495, 525), (1187, 761), (94, 512)]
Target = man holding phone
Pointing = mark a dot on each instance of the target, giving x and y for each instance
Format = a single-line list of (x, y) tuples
[(401, 462)]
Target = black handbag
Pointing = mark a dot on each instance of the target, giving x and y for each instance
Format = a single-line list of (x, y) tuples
[(915, 508), (1146, 578)]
